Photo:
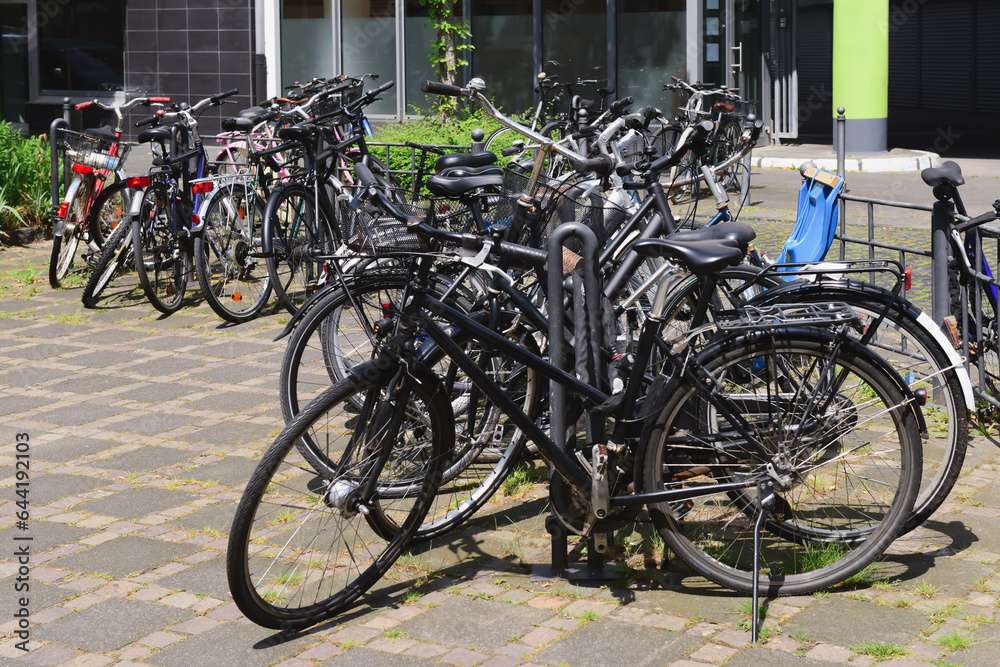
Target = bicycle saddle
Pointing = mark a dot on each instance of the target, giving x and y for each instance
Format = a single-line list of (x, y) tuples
[(455, 186), (102, 132), (724, 106), (489, 170), (464, 160), (238, 124), (949, 172), (740, 232), (300, 131), (154, 134), (699, 257)]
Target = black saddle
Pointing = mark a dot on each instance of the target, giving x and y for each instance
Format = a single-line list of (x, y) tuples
[(456, 186), (102, 132), (299, 131), (699, 257), (154, 134), (949, 172), (480, 159), (739, 232)]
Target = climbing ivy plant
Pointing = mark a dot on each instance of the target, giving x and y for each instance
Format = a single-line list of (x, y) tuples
[(446, 51)]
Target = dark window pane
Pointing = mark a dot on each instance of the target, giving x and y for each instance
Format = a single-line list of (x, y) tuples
[(576, 37), (14, 55), (502, 35), (369, 44), (651, 48), (81, 46)]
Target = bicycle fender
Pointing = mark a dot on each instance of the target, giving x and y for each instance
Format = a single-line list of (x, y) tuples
[(306, 307), (954, 358), (59, 223)]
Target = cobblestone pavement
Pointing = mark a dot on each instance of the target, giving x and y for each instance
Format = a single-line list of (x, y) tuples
[(143, 431)]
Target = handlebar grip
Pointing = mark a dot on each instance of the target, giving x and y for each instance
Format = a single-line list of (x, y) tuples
[(674, 79), (523, 253), (587, 131), (513, 150), (438, 88), (364, 174), (147, 121), (600, 164), (618, 106), (625, 168), (381, 89), (82, 105), (721, 198), (218, 97), (160, 100), (979, 220), (758, 125)]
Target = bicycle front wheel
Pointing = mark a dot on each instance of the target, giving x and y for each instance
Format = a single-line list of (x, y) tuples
[(845, 451), (65, 245), (232, 278), (302, 546), (114, 257), (162, 265)]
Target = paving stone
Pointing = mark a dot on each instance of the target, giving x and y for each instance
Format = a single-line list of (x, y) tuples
[(951, 577), (154, 423), (243, 644), (755, 657), (137, 502), (70, 447), (40, 596), (52, 332), (123, 556), (111, 337), (81, 413), (846, 622), (473, 623), (42, 351), (235, 373), (706, 602), (231, 432), (230, 401), (93, 384), (50, 534), (633, 645), (366, 657), (231, 471), (161, 392), (105, 358), (49, 487), (22, 378), (208, 578), (984, 652), (14, 405), (164, 366), (110, 624), (144, 459), (212, 517), (232, 349)]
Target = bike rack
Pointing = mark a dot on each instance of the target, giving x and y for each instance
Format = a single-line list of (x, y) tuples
[(595, 569)]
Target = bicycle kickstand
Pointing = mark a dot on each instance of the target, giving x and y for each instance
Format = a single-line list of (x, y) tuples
[(766, 497)]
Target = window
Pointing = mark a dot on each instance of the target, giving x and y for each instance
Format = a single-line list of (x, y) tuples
[(576, 37), (503, 57), (81, 46), (419, 36), (306, 40), (651, 48), (368, 44)]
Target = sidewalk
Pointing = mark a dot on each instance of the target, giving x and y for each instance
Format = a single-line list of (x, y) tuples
[(143, 431)]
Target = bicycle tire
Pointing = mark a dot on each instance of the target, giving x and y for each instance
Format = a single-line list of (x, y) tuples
[(556, 165), (231, 276), (296, 235), (846, 495), (289, 519), (64, 246), (110, 208), (114, 256), (906, 345), (725, 145), (160, 261)]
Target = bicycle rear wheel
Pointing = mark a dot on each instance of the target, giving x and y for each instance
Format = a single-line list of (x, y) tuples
[(848, 454), (297, 236), (232, 278), (64, 246), (160, 261), (302, 546)]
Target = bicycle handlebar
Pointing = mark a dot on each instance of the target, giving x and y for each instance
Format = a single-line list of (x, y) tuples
[(438, 88), (976, 222)]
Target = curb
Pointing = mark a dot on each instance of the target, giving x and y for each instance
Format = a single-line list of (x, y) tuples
[(922, 160)]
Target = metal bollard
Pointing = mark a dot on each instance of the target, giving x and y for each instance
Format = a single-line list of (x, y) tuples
[(841, 141), (941, 217), (54, 126)]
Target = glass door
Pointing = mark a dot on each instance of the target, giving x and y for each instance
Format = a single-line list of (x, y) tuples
[(731, 45), (14, 55)]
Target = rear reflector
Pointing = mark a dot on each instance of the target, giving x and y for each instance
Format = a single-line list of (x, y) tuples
[(82, 169), (137, 182), (202, 188), (63, 208)]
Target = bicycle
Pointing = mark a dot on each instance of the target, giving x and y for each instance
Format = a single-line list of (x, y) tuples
[(164, 229), (267, 564), (92, 208)]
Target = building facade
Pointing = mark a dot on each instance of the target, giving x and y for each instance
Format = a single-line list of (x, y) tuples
[(778, 52)]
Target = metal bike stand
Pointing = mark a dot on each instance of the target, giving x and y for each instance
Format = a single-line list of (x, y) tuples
[(559, 568)]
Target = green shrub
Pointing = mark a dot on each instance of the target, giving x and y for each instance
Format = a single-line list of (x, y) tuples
[(24, 179), (429, 130)]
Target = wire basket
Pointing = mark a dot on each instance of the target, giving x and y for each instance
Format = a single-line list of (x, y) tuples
[(559, 203), (98, 152), (367, 229)]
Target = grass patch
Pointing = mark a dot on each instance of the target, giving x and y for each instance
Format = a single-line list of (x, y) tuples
[(522, 478), (926, 590), (955, 641), (881, 650)]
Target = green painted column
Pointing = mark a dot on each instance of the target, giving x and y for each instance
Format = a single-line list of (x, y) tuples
[(861, 71)]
